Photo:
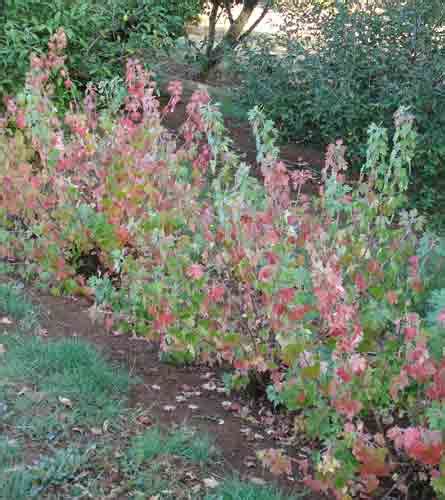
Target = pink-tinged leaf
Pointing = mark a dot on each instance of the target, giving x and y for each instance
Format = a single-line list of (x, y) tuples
[(372, 460), (358, 364), (266, 273), (276, 461), (286, 295), (163, 321), (360, 282), (195, 271), (216, 293), (109, 322), (423, 445), (398, 383), (441, 317), (298, 312), (278, 310), (392, 297), (410, 332), (344, 375), (272, 258), (437, 389), (348, 407), (396, 435)]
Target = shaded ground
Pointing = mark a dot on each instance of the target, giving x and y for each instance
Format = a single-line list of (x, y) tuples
[(177, 396)]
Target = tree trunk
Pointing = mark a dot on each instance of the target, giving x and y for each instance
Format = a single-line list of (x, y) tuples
[(231, 39)]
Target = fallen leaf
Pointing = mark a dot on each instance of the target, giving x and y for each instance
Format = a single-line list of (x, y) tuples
[(144, 420), (210, 482), (24, 390), (257, 480), (169, 408), (210, 386), (66, 402)]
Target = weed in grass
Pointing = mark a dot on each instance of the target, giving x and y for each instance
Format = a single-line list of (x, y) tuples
[(64, 466), (184, 443)]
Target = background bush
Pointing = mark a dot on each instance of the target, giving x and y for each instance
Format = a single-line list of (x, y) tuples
[(102, 34), (342, 65)]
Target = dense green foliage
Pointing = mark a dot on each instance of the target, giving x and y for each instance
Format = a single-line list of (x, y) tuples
[(340, 69), (102, 33), (334, 305)]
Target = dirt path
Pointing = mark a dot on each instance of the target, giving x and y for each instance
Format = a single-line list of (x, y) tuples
[(294, 155), (180, 395)]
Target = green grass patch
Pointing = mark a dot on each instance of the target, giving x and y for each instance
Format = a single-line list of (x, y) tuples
[(184, 443), (71, 369), (235, 489), (14, 305)]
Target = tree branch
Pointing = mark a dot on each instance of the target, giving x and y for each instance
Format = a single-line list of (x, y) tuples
[(213, 18), (255, 24), (229, 11)]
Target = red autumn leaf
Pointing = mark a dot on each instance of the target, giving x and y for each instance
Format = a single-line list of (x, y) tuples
[(163, 321), (286, 295), (272, 258), (344, 375), (372, 460), (360, 282), (278, 310), (348, 407), (298, 312), (266, 273), (423, 445), (216, 293)]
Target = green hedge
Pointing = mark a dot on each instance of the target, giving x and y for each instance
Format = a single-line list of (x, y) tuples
[(358, 67), (102, 34)]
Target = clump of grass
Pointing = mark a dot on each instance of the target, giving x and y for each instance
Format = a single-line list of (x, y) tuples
[(9, 452), (235, 489), (14, 305), (68, 368), (183, 442)]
